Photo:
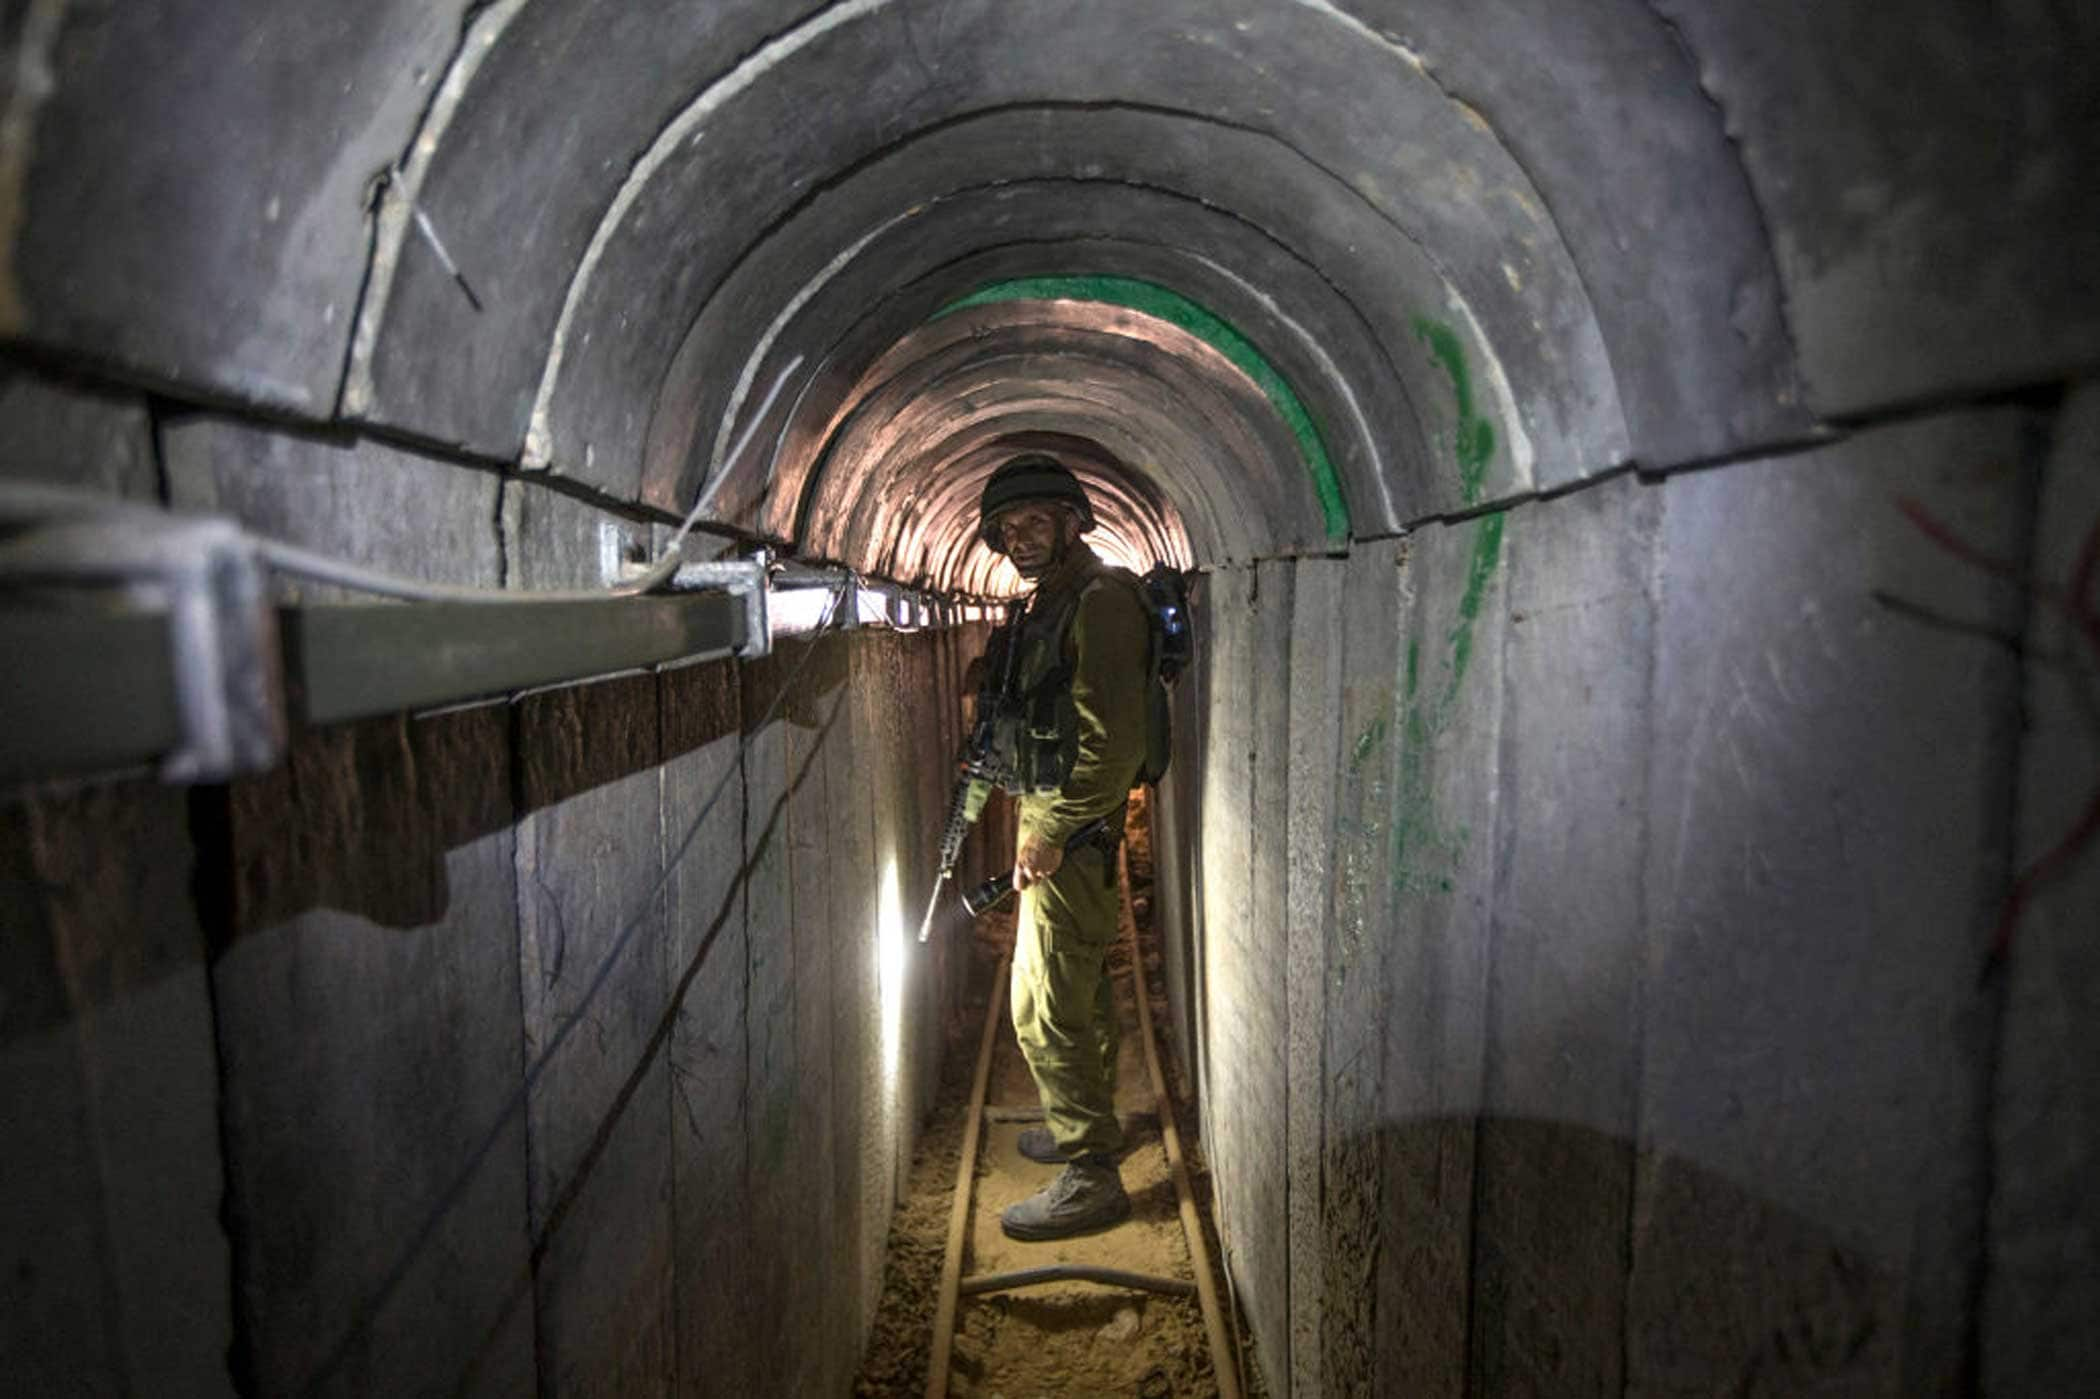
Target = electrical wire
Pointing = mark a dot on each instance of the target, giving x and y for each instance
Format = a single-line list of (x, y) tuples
[(29, 502), (735, 454), (322, 568)]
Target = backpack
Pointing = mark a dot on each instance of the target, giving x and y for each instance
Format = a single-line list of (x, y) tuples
[(1164, 594), (1166, 597)]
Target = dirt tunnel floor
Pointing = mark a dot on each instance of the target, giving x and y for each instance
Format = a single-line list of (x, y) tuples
[(1066, 1339)]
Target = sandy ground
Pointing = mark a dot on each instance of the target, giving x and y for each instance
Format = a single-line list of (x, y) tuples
[(1066, 1339)]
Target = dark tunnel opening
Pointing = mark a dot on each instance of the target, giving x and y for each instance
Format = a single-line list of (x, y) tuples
[(1628, 868)]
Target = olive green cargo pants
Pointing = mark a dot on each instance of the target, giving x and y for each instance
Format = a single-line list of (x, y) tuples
[(1064, 1002)]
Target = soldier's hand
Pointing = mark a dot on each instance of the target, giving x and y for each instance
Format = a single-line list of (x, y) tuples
[(1036, 860)]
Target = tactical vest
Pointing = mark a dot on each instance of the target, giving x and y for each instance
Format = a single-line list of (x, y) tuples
[(1043, 723)]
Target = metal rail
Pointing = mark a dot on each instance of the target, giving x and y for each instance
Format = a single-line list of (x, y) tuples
[(1224, 1359), (138, 635), (954, 1286), (85, 698), (965, 1183), (91, 691), (352, 662)]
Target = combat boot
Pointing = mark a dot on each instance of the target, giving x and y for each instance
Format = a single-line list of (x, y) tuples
[(1087, 1195), (1038, 1145)]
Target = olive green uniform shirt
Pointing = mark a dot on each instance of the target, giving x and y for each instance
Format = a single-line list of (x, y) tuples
[(1064, 1010), (1107, 647)]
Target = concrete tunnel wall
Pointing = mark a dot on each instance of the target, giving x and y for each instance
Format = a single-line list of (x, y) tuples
[(1578, 954), (291, 1104), (1588, 962)]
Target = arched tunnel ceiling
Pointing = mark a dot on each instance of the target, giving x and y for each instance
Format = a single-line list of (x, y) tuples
[(1037, 229), (1046, 101), (1134, 524), (1189, 456), (606, 233)]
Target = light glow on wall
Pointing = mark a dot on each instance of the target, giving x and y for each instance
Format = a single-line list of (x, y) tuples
[(890, 968)]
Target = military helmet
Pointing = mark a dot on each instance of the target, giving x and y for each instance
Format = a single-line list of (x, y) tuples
[(1031, 476)]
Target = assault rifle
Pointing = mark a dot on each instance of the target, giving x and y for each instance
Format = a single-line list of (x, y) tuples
[(986, 761)]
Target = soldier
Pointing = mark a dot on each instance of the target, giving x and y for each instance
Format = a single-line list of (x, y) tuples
[(1080, 675)]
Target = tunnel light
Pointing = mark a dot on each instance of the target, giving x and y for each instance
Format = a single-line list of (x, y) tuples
[(890, 970), (1117, 551), (794, 611)]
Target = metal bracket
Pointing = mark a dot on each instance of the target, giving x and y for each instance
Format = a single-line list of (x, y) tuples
[(744, 578), (846, 614), (136, 636), (203, 577)]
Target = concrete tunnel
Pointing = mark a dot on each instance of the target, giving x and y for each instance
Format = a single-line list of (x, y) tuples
[(1627, 875)]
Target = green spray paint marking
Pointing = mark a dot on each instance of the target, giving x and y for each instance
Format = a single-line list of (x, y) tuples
[(1368, 742), (1475, 446), (1425, 854), (1213, 330), (1480, 571)]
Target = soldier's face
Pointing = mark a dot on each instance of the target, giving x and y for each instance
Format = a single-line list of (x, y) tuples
[(1035, 536)]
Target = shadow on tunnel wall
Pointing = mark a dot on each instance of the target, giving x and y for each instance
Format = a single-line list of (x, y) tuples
[(359, 816), (1707, 1287), (699, 723), (71, 945), (571, 1117), (375, 1106)]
